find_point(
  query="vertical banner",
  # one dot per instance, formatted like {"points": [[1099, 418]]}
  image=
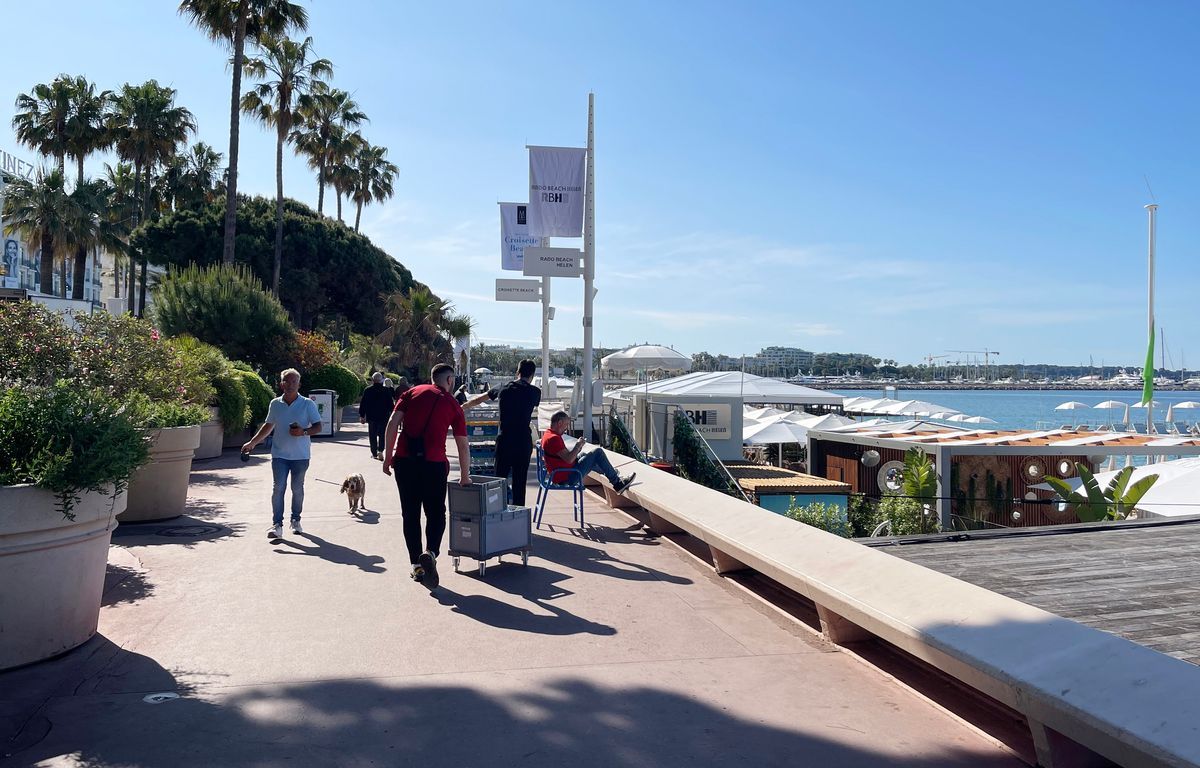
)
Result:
{"points": [[556, 177], [514, 235]]}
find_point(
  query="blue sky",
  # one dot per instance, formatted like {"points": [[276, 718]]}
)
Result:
{"points": [[891, 178]]}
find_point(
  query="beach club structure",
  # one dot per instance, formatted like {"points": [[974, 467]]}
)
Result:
{"points": [[996, 477]]}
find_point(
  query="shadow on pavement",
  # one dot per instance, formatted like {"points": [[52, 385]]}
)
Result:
{"points": [[333, 553], [589, 559], [362, 722], [496, 613], [123, 584], [186, 530]]}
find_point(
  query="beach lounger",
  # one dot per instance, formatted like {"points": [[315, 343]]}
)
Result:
{"points": [[1179, 427], [1067, 427], [1104, 428], [1083, 428], [1160, 428]]}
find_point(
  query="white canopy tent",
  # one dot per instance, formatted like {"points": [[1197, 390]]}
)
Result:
{"points": [[912, 408], [747, 386], [647, 357]]}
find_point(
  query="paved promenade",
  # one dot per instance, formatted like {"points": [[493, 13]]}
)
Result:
{"points": [[610, 648]]}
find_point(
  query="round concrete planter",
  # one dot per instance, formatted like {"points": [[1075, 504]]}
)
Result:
{"points": [[158, 490], [51, 571], [211, 436]]}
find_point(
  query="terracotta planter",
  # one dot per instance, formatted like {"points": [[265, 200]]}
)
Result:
{"points": [[211, 436], [51, 571], [158, 490]]}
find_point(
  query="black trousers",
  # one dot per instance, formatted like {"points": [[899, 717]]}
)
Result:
{"points": [[422, 484], [375, 432], [512, 458]]}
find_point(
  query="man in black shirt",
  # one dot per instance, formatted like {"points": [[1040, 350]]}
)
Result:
{"points": [[374, 410], [514, 446]]}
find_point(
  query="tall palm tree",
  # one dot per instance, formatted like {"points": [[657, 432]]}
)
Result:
{"points": [[148, 128], [39, 210], [321, 128], [87, 125], [455, 327], [194, 177], [42, 116], [375, 178], [232, 21], [341, 170], [289, 71], [88, 226], [121, 213]]}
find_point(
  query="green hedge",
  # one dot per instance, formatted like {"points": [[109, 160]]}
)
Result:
{"points": [[258, 395], [348, 384]]}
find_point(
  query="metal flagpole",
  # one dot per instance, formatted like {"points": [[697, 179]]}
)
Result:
{"points": [[1148, 374], [589, 267]]}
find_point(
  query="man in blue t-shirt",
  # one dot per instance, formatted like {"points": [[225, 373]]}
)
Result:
{"points": [[291, 448]]}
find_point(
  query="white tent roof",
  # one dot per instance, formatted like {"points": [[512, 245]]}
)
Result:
{"points": [[912, 408], [751, 388], [778, 431], [647, 357], [1175, 494]]}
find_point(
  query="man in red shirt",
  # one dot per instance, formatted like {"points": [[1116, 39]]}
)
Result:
{"points": [[558, 457], [420, 420]]}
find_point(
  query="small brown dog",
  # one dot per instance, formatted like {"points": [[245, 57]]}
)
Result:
{"points": [[355, 488]]}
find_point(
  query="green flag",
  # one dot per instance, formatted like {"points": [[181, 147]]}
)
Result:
{"points": [[1148, 372]]}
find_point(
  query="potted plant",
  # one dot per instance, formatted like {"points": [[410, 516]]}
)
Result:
{"points": [[66, 454]]}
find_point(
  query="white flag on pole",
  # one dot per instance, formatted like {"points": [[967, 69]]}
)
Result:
{"points": [[556, 176], [514, 235]]}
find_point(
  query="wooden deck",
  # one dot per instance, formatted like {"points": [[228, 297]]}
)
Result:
{"points": [[1139, 582]]}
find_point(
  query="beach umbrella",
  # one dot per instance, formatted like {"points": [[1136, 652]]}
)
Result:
{"points": [[869, 406], [851, 403], [759, 414], [1185, 405], [1110, 404], [483, 371], [913, 408], [1071, 405], [978, 420], [647, 357], [776, 432]]}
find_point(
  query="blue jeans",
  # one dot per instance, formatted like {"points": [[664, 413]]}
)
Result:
{"points": [[597, 461], [280, 469]]}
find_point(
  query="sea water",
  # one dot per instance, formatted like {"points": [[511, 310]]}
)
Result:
{"points": [[1029, 409]]}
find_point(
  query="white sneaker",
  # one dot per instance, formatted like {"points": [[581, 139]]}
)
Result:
{"points": [[296, 527], [275, 532]]}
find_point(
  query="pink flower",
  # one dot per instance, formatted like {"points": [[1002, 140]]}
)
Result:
{"points": [[182, 390], [154, 334]]}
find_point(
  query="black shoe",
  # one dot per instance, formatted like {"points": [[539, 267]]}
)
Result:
{"points": [[428, 562], [418, 573], [625, 483]]}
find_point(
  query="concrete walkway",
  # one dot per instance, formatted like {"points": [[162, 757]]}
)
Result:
{"points": [[609, 649]]}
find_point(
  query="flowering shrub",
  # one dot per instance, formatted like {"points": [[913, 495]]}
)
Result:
{"points": [[314, 351], [67, 440], [35, 345]]}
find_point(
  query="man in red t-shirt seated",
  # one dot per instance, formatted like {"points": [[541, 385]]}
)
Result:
{"points": [[558, 457]]}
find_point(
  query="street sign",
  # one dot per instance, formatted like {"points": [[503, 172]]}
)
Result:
{"points": [[518, 290], [553, 262]]}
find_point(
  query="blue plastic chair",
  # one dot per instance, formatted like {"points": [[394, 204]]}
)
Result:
{"points": [[574, 484]]}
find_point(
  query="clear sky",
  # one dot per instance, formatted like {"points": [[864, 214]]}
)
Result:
{"points": [[884, 177]]}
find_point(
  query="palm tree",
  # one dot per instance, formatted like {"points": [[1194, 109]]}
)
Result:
{"points": [[194, 177], [292, 71], [87, 128], [232, 21], [148, 128], [374, 178], [323, 124], [457, 327], [341, 171], [415, 328], [39, 210], [42, 116], [88, 226], [122, 210]]}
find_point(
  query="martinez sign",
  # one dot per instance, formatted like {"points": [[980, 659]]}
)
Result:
{"points": [[11, 164]]}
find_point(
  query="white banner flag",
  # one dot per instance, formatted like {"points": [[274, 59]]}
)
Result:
{"points": [[514, 235], [556, 176]]}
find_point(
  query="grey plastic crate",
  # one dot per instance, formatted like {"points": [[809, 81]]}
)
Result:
{"points": [[482, 535], [484, 494]]}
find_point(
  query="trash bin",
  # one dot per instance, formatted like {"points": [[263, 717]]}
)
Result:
{"points": [[326, 400]]}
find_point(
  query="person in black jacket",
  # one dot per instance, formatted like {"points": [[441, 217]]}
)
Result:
{"points": [[374, 410], [514, 446]]}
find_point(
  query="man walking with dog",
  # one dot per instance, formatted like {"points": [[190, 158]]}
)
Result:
{"points": [[415, 446], [291, 447], [374, 410], [514, 446]]}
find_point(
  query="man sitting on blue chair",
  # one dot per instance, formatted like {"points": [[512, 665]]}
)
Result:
{"points": [[558, 457]]}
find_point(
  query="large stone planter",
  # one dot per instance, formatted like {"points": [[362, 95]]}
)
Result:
{"points": [[238, 439], [51, 571], [158, 490], [212, 435]]}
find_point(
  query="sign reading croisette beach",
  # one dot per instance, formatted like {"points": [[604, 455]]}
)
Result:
{"points": [[514, 235], [556, 176], [553, 262], [518, 290]]}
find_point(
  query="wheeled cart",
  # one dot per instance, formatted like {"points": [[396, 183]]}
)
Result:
{"points": [[484, 535]]}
